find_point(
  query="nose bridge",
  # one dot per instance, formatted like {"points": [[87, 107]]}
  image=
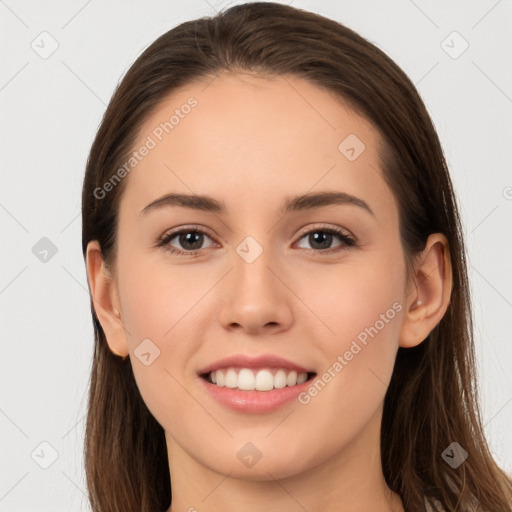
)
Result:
{"points": [[251, 261], [255, 297]]}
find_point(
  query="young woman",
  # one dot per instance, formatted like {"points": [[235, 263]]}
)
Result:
{"points": [[278, 282]]}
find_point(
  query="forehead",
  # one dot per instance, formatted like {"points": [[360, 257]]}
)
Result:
{"points": [[257, 105], [239, 131]]}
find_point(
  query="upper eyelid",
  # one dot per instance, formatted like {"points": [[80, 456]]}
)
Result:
{"points": [[308, 229], [186, 229]]}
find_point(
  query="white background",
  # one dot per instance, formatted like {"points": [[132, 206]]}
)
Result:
{"points": [[50, 111]]}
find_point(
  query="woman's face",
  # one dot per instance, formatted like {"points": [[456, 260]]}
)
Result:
{"points": [[269, 278]]}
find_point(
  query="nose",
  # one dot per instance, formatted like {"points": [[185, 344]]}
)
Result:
{"points": [[255, 300]]}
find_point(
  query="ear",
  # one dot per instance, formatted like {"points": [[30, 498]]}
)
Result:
{"points": [[429, 291], [105, 299]]}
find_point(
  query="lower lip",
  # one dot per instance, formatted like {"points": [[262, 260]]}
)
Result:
{"points": [[254, 401]]}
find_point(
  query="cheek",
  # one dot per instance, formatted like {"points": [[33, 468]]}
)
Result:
{"points": [[361, 303], [157, 297], [162, 304], [370, 312], [351, 298]]}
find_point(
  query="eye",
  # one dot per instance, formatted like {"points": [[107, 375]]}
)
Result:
{"points": [[321, 239], [190, 240]]}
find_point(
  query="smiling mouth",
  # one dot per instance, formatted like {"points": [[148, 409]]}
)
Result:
{"points": [[253, 379]]}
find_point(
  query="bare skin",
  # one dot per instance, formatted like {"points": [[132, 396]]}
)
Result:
{"points": [[251, 142]]}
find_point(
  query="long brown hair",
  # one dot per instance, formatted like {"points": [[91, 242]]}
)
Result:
{"points": [[432, 398]]}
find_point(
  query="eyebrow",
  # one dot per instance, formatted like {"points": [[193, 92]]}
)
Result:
{"points": [[291, 204]]}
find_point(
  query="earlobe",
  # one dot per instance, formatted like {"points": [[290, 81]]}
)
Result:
{"points": [[105, 300], [429, 294]]}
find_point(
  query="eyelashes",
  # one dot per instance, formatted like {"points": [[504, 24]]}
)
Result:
{"points": [[165, 241], [199, 236]]}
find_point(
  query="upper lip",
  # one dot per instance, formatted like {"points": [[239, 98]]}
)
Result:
{"points": [[245, 361]]}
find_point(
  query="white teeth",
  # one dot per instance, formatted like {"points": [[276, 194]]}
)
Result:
{"points": [[219, 378], [231, 379], [265, 379], [246, 379], [291, 380], [302, 377], [280, 379]]}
